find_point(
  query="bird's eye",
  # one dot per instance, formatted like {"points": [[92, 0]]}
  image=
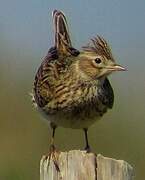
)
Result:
{"points": [[98, 60]]}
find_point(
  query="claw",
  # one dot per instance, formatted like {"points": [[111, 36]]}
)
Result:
{"points": [[53, 155], [87, 149]]}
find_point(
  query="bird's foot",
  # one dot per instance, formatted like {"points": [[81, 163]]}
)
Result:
{"points": [[87, 149], [53, 155]]}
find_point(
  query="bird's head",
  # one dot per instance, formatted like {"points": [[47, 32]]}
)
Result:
{"points": [[96, 60]]}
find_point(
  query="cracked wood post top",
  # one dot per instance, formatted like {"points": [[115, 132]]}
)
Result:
{"points": [[79, 165]]}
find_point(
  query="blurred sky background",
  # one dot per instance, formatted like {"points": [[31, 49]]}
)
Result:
{"points": [[26, 33]]}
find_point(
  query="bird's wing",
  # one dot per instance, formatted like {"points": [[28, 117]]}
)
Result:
{"points": [[62, 39], [106, 94], [45, 77], [48, 72]]}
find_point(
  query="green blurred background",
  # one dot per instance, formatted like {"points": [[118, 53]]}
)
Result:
{"points": [[25, 36]]}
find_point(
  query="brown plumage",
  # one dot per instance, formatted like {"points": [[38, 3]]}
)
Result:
{"points": [[71, 87]]}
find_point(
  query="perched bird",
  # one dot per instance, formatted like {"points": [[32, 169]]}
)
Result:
{"points": [[71, 87]]}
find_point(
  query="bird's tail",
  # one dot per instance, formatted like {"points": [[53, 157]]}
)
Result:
{"points": [[62, 39]]}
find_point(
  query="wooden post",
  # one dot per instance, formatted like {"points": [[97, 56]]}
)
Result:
{"points": [[79, 165]]}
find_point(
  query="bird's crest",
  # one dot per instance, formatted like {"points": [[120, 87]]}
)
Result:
{"points": [[100, 47]]}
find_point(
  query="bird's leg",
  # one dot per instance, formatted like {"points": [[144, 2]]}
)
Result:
{"points": [[53, 154], [87, 148], [52, 147]]}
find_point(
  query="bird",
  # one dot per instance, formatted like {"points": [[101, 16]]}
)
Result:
{"points": [[71, 87]]}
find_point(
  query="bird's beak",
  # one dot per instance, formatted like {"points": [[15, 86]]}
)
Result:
{"points": [[116, 67]]}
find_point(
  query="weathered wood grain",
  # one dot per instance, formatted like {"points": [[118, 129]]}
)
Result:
{"points": [[79, 165]]}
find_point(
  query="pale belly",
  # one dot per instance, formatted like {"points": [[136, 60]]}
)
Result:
{"points": [[75, 120]]}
